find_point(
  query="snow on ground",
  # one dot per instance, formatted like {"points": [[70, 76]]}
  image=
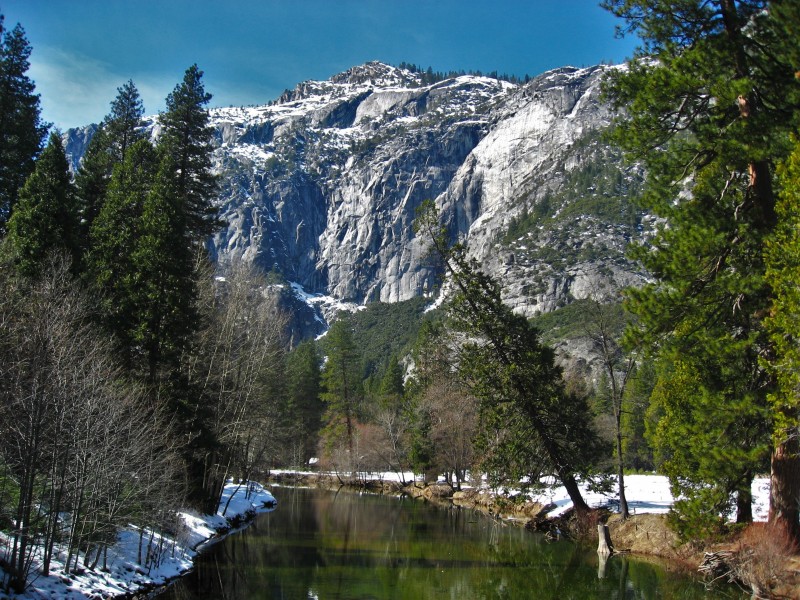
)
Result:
{"points": [[645, 493], [125, 574]]}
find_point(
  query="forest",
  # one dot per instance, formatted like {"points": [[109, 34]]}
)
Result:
{"points": [[137, 377]]}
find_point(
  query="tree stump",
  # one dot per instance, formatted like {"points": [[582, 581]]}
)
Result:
{"points": [[604, 545]]}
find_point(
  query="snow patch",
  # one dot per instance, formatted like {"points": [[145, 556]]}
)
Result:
{"points": [[125, 574]]}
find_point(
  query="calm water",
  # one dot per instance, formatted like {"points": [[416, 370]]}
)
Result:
{"points": [[325, 545]]}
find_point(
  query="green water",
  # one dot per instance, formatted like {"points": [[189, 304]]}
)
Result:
{"points": [[324, 545]]}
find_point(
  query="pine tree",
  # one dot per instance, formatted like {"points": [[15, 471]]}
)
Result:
{"points": [[783, 324], [711, 443], [303, 391], [187, 137], [708, 104], [124, 123], [21, 128], [114, 236], [342, 386], [45, 218], [391, 388], [512, 372], [636, 449], [118, 132], [91, 182], [163, 291]]}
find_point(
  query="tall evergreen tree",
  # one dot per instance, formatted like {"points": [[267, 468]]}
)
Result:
{"points": [[21, 128], [91, 182], [118, 132], [187, 137], [342, 385], [45, 218], [163, 286], [708, 103], [711, 440], [391, 388], [512, 372], [783, 324], [303, 394], [114, 239], [124, 123]]}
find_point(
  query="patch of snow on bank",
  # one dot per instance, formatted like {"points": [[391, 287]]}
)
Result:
{"points": [[645, 493], [125, 574]]}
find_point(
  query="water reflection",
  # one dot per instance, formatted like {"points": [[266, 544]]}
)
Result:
{"points": [[343, 546]]}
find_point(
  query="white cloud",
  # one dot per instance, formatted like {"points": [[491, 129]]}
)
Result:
{"points": [[77, 90]]}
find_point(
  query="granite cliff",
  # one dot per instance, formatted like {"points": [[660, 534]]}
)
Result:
{"points": [[322, 185]]}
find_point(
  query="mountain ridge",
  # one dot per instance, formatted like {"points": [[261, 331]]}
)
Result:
{"points": [[322, 184]]}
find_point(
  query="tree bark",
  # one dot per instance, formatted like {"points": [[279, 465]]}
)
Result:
{"points": [[573, 491], [784, 495], [744, 502]]}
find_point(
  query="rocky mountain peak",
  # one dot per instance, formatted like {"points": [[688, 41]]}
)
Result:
{"points": [[323, 184], [378, 74]]}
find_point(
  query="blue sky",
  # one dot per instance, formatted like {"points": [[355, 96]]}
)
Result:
{"points": [[251, 50]]}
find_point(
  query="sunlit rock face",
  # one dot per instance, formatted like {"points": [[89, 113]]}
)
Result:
{"points": [[322, 185]]}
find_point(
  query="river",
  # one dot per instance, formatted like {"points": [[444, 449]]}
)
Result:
{"points": [[327, 545]]}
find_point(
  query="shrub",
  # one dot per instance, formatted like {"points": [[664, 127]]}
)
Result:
{"points": [[761, 556]]}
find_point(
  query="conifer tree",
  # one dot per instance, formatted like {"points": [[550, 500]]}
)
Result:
{"points": [[391, 388], [512, 372], [118, 132], [187, 138], [91, 182], [123, 123], [708, 104], [783, 324], [114, 237], [21, 128], [342, 386], [45, 218], [303, 391], [163, 291]]}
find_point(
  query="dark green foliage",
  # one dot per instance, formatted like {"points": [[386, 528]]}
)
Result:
{"points": [[392, 381], [109, 145], [709, 119], [186, 138], [123, 123], [114, 237], [511, 371], [303, 383], [637, 452], [383, 330], [709, 442], [21, 128], [429, 76], [91, 182], [162, 287], [342, 387], [431, 359], [45, 219], [783, 274]]}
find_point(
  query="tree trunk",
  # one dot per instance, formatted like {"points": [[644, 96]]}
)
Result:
{"points": [[744, 502], [623, 501], [604, 545], [571, 485], [784, 495]]}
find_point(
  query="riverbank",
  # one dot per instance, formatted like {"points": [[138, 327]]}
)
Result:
{"points": [[645, 534], [125, 577]]}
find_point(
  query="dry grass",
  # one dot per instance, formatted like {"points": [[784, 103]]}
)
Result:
{"points": [[761, 557]]}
